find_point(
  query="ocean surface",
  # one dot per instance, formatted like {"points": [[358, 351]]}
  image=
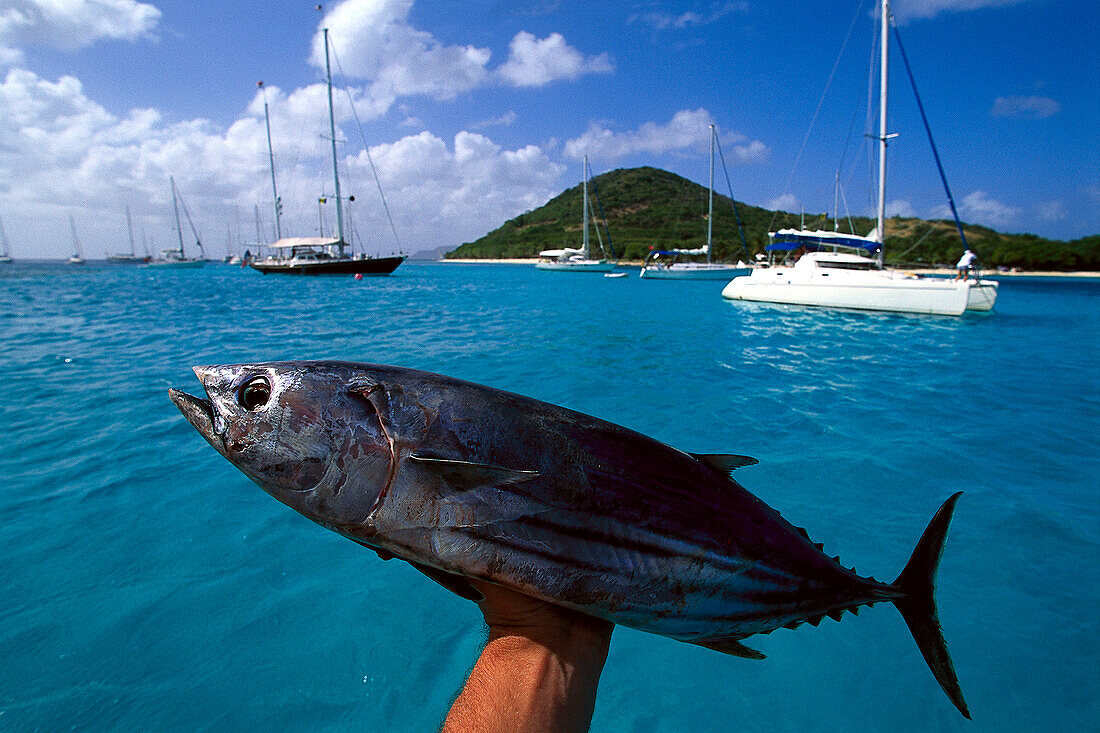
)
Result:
{"points": [[146, 584]]}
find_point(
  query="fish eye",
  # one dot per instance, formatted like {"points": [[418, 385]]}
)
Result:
{"points": [[254, 393]]}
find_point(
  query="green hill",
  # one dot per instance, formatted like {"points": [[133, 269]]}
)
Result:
{"points": [[648, 207]]}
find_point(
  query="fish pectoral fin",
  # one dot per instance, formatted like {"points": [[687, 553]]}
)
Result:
{"points": [[454, 583], [466, 475], [724, 463], [729, 645], [383, 554]]}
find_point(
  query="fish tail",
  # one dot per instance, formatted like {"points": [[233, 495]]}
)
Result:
{"points": [[918, 605]]}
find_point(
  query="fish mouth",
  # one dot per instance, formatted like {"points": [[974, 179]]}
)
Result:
{"points": [[199, 412]]}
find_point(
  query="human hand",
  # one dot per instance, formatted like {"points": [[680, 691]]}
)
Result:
{"points": [[508, 613], [539, 669]]}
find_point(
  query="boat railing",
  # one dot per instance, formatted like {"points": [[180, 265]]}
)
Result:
{"points": [[842, 265]]}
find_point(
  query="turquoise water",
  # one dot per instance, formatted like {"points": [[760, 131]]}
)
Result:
{"points": [[148, 585]]}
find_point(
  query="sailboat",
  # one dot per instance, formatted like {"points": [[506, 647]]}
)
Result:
{"points": [[77, 257], [846, 270], [176, 258], [663, 264], [124, 258], [319, 255], [5, 250], [571, 259]]}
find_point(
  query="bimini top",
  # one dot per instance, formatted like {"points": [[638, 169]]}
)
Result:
{"points": [[789, 239], [289, 242], [697, 251], [560, 252]]}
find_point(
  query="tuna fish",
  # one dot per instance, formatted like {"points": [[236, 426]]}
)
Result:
{"points": [[468, 482]]}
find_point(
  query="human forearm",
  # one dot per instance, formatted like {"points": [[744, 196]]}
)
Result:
{"points": [[536, 676]]}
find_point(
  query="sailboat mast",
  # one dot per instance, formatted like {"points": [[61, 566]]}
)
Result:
{"points": [[77, 252], [710, 199], [271, 162], [130, 228], [836, 202], [585, 237], [176, 208], [332, 130], [882, 135]]}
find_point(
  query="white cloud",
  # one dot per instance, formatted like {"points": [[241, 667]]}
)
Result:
{"points": [[373, 40], [64, 153], [10, 57], [1030, 108], [754, 152], [979, 208], [787, 202], [442, 196], [73, 24], [302, 114], [1051, 210], [503, 120], [899, 207], [533, 63], [911, 9], [62, 149], [665, 21], [686, 129]]}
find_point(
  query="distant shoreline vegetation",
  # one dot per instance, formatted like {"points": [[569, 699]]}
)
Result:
{"points": [[648, 207]]}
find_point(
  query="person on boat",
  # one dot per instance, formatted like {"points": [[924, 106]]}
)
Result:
{"points": [[967, 262], [538, 672]]}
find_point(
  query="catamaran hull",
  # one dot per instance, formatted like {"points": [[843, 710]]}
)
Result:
{"points": [[701, 272], [126, 260], [577, 266], [983, 295], [371, 266], [896, 295], [178, 264]]}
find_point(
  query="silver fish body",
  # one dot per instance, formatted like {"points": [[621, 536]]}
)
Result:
{"points": [[465, 481]]}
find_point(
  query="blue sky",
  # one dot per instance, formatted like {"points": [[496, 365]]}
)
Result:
{"points": [[474, 111]]}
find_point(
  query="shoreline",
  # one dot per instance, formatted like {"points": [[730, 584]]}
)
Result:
{"points": [[991, 275]]}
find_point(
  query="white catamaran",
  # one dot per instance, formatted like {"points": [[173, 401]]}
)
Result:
{"points": [[571, 259], [846, 271], [665, 264]]}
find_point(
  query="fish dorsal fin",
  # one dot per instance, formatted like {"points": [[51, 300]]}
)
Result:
{"points": [[454, 583], [729, 645], [724, 463], [466, 475]]}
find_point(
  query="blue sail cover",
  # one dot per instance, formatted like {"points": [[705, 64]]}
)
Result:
{"points": [[791, 239]]}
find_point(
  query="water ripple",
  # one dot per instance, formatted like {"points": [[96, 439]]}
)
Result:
{"points": [[150, 585]]}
